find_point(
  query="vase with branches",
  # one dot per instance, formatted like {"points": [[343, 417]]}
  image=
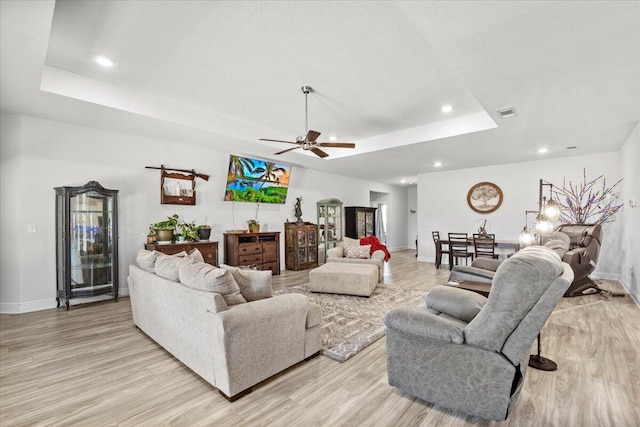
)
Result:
{"points": [[588, 202]]}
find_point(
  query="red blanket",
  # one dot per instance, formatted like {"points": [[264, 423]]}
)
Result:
{"points": [[375, 245]]}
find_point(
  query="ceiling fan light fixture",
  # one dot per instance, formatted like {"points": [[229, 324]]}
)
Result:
{"points": [[309, 142]]}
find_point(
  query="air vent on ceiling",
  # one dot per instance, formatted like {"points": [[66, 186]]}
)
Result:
{"points": [[507, 112], [573, 147]]}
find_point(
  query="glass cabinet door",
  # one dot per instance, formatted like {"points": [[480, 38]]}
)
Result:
{"points": [[329, 225], [86, 242]]}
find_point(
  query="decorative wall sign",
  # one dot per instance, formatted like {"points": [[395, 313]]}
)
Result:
{"points": [[484, 197]]}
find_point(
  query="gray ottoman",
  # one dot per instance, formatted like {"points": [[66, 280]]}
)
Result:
{"points": [[344, 278]]}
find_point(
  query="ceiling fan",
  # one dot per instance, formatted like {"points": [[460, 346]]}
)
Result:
{"points": [[309, 142]]}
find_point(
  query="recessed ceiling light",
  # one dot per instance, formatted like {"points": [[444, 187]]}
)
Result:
{"points": [[446, 108], [403, 181], [437, 164], [104, 61], [542, 150], [332, 138]]}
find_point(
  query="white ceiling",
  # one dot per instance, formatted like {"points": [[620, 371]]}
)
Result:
{"points": [[224, 74]]}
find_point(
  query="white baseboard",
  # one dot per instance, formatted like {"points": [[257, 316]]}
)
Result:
{"points": [[46, 304], [626, 287], [605, 276]]}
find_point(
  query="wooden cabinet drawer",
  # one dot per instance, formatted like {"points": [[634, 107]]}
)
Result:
{"points": [[273, 266], [210, 255], [250, 259], [249, 248]]}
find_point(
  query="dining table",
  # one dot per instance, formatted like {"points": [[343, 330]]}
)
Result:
{"points": [[507, 244]]}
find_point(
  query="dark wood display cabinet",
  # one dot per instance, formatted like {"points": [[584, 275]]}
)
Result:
{"points": [[209, 250], [359, 221], [301, 246], [259, 249], [86, 242]]}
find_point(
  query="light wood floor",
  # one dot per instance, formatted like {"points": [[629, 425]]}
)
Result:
{"points": [[91, 367]]}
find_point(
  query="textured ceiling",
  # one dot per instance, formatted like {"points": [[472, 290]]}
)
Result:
{"points": [[220, 72]]}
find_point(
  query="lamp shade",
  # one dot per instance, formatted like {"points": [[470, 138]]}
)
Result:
{"points": [[544, 226], [552, 210], [526, 237]]}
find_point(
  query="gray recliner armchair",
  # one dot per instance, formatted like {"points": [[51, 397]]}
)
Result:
{"points": [[584, 249], [469, 353]]}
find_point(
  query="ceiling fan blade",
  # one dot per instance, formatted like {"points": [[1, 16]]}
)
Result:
{"points": [[319, 152], [278, 140], [337, 144], [284, 151], [312, 135]]}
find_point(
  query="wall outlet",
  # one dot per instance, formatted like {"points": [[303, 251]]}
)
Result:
{"points": [[32, 228]]}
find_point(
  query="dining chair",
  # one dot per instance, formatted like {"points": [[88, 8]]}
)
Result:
{"points": [[439, 248], [458, 248], [484, 245]]}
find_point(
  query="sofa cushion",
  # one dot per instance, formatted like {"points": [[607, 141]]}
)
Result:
{"points": [[254, 284], [167, 266], [146, 260], [196, 255], [206, 277], [348, 241], [358, 252]]}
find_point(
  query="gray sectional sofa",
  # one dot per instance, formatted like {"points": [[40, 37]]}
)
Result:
{"points": [[233, 347]]}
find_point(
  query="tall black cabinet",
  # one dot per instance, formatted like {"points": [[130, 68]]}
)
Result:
{"points": [[86, 242], [359, 221]]}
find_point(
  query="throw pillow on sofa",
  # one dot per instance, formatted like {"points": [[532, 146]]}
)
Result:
{"points": [[196, 255], [206, 277], [254, 284], [146, 260], [358, 252], [167, 266]]}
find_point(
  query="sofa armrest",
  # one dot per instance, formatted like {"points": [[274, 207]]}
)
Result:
{"points": [[379, 254], [423, 324], [258, 339], [337, 252]]}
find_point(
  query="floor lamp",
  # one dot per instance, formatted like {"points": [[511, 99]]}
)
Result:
{"points": [[548, 211]]}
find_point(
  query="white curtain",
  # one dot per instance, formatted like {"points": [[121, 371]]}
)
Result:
{"points": [[381, 222]]}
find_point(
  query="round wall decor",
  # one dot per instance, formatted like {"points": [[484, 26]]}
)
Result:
{"points": [[484, 197]]}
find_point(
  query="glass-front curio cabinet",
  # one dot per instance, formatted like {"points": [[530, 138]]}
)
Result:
{"points": [[329, 225], [86, 242]]}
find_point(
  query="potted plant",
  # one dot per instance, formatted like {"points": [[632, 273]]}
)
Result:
{"points": [[254, 226], [189, 230], [164, 230], [204, 231]]}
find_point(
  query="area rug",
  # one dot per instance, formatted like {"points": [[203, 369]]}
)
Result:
{"points": [[351, 323]]}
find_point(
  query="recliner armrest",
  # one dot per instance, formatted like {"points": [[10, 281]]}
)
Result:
{"points": [[423, 324], [576, 257], [460, 273], [459, 303]]}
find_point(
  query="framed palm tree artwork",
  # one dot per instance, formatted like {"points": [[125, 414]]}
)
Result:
{"points": [[484, 197]]}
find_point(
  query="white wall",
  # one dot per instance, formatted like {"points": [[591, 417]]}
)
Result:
{"points": [[38, 155], [630, 239], [442, 201], [412, 218]]}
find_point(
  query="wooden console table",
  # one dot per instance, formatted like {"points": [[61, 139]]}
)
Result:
{"points": [[209, 250], [260, 249]]}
